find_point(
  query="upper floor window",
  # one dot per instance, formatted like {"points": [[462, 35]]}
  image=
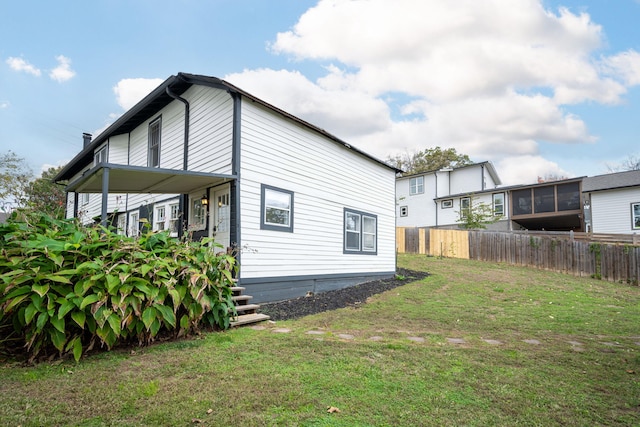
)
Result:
{"points": [[153, 156], [498, 204], [277, 209], [100, 156], [416, 185], [360, 232]]}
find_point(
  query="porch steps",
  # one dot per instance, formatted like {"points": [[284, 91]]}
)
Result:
{"points": [[247, 313]]}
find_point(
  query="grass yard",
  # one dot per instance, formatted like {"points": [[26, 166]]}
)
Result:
{"points": [[474, 344]]}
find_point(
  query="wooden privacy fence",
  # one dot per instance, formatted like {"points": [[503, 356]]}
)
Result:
{"points": [[578, 254]]}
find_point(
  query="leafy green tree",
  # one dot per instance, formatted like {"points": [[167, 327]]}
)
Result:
{"points": [[476, 215], [43, 195], [14, 178], [430, 159]]}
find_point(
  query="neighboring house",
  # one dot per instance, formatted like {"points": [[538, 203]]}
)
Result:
{"points": [[436, 198], [612, 202], [304, 210]]}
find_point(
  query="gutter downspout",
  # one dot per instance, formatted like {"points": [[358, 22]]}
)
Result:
{"points": [[185, 156], [435, 174], [235, 167]]}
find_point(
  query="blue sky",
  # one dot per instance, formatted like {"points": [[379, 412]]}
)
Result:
{"points": [[538, 87]]}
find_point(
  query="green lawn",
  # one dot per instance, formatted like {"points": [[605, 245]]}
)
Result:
{"points": [[390, 362]]}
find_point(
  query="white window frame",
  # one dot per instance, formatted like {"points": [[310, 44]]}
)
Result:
{"points": [[465, 206], [154, 143], [416, 185], [160, 218], [447, 204], [635, 216], [84, 199], [174, 217], [134, 224], [100, 156], [496, 211], [271, 199], [355, 226], [197, 214], [121, 227]]}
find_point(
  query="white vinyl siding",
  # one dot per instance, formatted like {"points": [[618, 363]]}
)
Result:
{"points": [[611, 210], [210, 130], [326, 178]]}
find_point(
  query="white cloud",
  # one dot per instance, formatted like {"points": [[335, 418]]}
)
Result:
{"points": [[19, 64], [4, 105], [130, 91], [526, 169], [63, 71], [490, 79]]}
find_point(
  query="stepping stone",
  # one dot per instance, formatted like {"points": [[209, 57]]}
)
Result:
{"points": [[456, 340], [316, 333], [376, 338], [575, 343], [416, 339], [534, 342], [258, 328], [346, 336], [282, 330], [493, 342]]}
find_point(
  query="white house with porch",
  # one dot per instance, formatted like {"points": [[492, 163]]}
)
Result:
{"points": [[304, 210]]}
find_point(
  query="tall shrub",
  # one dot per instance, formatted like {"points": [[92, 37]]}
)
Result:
{"points": [[69, 287]]}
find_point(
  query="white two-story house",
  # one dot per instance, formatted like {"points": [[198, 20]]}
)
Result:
{"points": [[302, 209], [436, 198]]}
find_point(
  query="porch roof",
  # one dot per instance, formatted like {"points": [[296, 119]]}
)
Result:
{"points": [[139, 179]]}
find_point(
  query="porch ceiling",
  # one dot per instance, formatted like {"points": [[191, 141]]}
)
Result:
{"points": [[137, 179]]}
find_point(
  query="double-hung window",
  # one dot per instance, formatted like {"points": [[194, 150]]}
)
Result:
{"points": [[160, 218], [498, 204], [360, 232], [277, 209], [153, 155], [635, 216], [174, 218], [416, 185]]}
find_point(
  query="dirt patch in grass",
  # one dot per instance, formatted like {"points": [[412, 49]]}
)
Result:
{"points": [[339, 298]]}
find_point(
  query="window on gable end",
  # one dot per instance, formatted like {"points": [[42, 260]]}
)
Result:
{"points": [[416, 185]]}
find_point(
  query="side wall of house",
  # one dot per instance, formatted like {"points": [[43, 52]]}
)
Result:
{"points": [[325, 179], [420, 208], [611, 210]]}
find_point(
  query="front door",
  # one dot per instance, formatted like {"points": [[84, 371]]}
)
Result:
{"points": [[220, 217]]}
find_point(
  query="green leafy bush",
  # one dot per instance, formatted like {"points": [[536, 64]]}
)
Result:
{"points": [[71, 287]]}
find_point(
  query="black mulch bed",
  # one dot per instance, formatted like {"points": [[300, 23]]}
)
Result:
{"points": [[331, 300]]}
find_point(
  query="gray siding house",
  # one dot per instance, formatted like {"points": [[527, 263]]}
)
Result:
{"points": [[304, 210]]}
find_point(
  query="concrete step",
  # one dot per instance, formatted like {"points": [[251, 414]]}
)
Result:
{"points": [[246, 319]]}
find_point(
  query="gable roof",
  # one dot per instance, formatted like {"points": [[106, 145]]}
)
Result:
{"points": [[486, 164], [611, 181], [162, 96]]}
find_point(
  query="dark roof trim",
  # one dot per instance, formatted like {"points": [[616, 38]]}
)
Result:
{"points": [[159, 98]]}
